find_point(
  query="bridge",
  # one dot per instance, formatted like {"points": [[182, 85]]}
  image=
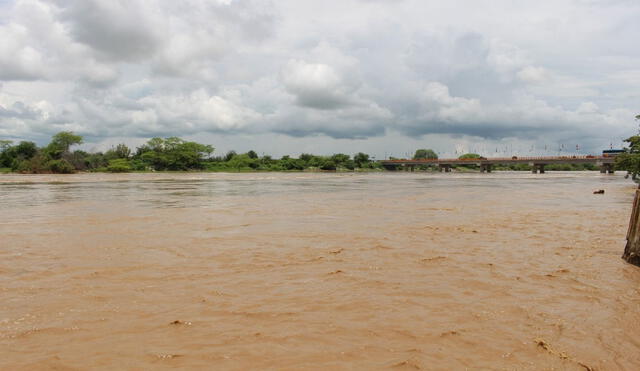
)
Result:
{"points": [[606, 163]]}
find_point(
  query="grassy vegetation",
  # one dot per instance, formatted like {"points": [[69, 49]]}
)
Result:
{"points": [[175, 154], [163, 154]]}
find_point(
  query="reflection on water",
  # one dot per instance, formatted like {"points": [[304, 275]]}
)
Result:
{"points": [[317, 271]]}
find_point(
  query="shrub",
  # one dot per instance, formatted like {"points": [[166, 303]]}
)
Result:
{"points": [[61, 167], [120, 165], [37, 164]]}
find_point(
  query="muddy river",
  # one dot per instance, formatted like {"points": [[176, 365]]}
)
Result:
{"points": [[300, 271]]}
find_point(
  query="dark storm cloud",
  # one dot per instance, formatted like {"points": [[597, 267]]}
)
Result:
{"points": [[485, 130], [118, 29]]}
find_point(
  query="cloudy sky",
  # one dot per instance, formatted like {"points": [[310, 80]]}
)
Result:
{"points": [[290, 76]]}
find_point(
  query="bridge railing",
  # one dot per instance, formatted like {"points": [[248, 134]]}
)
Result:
{"points": [[467, 160]]}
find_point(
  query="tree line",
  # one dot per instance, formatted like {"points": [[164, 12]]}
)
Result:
{"points": [[176, 154], [160, 154]]}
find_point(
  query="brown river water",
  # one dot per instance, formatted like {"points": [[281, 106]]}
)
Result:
{"points": [[283, 271]]}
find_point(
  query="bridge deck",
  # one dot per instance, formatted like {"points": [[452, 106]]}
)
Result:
{"points": [[598, 160]]}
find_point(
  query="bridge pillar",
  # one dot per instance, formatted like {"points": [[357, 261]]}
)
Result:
{"points": [[607, 168], [485, 168], [537, 168], [445, 168]]}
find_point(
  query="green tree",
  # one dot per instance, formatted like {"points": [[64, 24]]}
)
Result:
{"points": [[13, 156], [308, 160], [469, 156], [424, 154], [25, 150], [95, 161], [156, 144], [306, 157], [327, 164], [361, 160], [187, 155], [119, 165], [60, 144], [5, 144], [119, 151], [630, 160], [5, 159], [230, 155], [340, 160], [243, 162], [173, 153], [65, 139], [252, 154], [288, 163], [78, 159], [36, 164], [61, 166]]}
